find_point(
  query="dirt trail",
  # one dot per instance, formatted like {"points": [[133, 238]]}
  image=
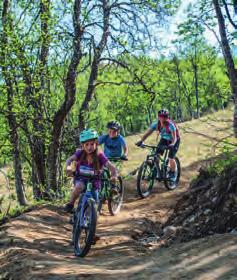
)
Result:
{"points": [[36, 245]]}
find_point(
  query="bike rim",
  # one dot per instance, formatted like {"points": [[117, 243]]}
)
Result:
{"points": [[84, 229], [116, 200]]}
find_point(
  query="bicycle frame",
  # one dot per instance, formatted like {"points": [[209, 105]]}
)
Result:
{"points": [[90, 194], [106, 176], [106, 173], [154, 156], [104, 191]]}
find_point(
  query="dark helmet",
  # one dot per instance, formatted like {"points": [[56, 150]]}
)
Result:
{"points": [[113, 125], [163, 113]]}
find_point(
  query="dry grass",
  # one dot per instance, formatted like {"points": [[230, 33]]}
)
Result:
{"points": [[199, 140]]}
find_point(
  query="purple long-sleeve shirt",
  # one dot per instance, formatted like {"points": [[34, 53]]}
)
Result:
{"points": [[87, 167]]}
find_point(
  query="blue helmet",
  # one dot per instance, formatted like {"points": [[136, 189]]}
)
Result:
{"points": [[88, 134]]}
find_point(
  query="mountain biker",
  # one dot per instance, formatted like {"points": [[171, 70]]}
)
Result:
{"points": [[114, 143], [169, 134], [88, 161]]}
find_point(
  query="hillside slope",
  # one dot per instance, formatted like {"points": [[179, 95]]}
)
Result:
{"points": [[36, 245]]}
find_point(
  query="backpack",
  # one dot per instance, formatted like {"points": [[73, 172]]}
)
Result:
{"points": [[168, 128]]}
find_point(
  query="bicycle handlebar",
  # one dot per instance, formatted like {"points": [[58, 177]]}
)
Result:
{"points": [[89, 176], [118, 159], [163, 147], [147, 146]]}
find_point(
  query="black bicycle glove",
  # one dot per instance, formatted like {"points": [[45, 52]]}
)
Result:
{"points": [[123, 157], [139, 143]]}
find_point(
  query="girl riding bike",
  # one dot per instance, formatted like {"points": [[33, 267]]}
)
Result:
{"points": [[169, 134], [88, 161]]}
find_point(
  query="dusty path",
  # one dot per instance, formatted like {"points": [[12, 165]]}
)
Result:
{"points": [[36, 245]]}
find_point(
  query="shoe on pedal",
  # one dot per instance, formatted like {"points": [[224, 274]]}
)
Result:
{"points": [[172, 175]]}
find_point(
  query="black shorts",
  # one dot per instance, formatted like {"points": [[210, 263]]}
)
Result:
{"points": [[172, 152]]}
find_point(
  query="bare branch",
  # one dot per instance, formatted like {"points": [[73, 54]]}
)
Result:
{"points": [[228, 14]]}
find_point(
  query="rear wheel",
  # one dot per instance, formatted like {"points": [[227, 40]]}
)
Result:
{"points": [[115, 199], [145, 178], [84, 231], [172, 184]]}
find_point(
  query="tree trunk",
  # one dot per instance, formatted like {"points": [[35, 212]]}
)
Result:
{"points": [[53, 163], [179, 108], [19, 186], [195, 70], [38, 157], [38, 146], [37, 191], [196, 91], [69, 100], [14, 138], [95, 65], [131, 125], [232, 73], [11, 117], [185, 90], [149, 114]]}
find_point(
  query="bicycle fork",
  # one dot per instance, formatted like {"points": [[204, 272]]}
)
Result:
{"points": [[161, 170], [90, 196]]}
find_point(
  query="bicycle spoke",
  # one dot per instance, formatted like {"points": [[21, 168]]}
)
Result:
{"points": [[145, 179]]}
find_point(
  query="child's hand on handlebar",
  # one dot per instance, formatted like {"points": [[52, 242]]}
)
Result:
{"points": [[124, 157], [69, 171]]}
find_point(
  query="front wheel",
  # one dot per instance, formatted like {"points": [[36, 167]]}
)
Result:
{"points": [[172, 184], [84, 232], [115, 199], [145, 178]]}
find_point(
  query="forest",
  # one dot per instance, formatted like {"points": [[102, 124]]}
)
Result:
{"points": [[70, 65]]}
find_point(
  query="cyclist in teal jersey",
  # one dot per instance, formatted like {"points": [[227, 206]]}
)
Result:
{"points": [[169, 136]]}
